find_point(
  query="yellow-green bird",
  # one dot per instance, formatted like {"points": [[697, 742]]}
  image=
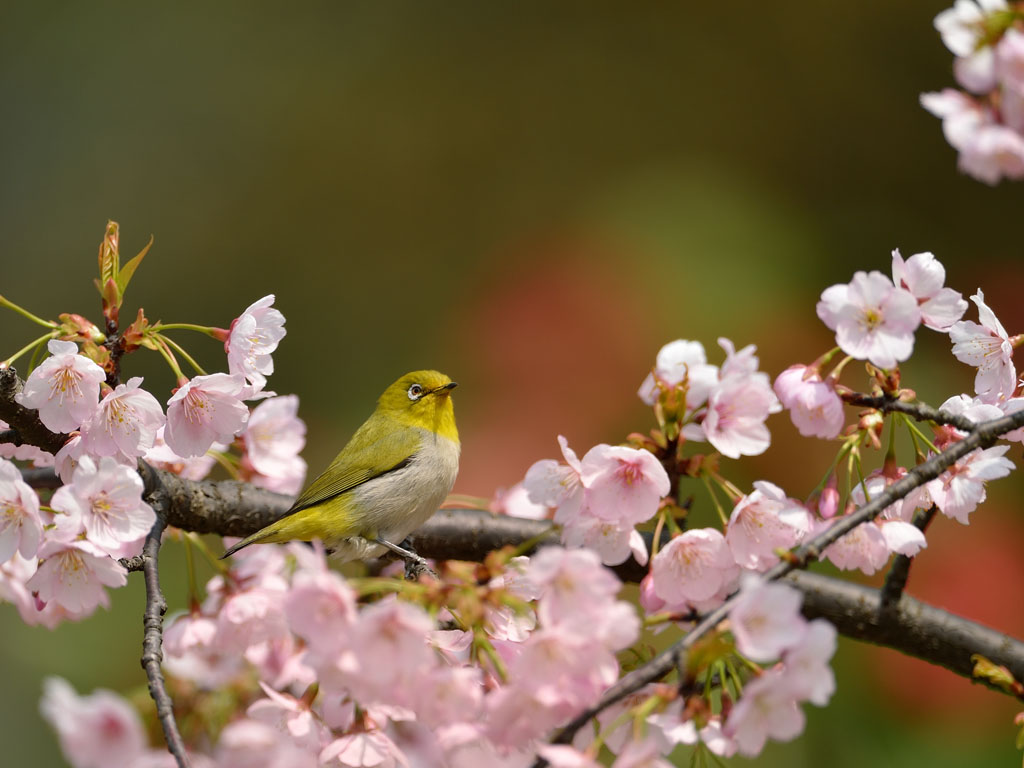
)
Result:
{"points": [[390, 478]]}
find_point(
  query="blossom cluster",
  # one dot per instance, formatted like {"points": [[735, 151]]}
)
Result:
{"points": [[984, 122], [345, 681], [57, 560]]}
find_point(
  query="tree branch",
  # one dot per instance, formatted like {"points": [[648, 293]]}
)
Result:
{"points": [[918, 410], [152, 639], [899, 571]]}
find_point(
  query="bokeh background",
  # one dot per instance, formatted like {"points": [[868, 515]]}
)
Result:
{"points": [[532, 197]]}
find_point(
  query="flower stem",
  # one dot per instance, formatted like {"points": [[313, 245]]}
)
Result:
{"points": [[208, 330], [31, 345], [180, 350], [4, 302]]}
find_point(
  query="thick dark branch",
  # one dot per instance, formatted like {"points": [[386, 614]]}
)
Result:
{"points": [[910, 627], [152, 639], [919, 411], [899, 571], [24, 421], [41, 477]]}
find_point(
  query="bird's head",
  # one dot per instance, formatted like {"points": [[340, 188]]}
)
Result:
{"points": [[422, 399]]}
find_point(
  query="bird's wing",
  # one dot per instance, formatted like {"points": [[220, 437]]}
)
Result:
{"points": [[369, 454]]}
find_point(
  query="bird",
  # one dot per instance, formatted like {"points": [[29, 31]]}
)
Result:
{"points": [[387, 481]]}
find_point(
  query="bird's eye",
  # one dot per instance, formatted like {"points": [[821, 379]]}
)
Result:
{"points": [[415, 392]]}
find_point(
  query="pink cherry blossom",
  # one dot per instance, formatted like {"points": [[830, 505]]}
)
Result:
{"points": [[321, 609], [449, 695], [864, 548], [203, 411], [737, 410], [577, 596], [251, 616], [74, 574], [873, 319], [766, 620], [292, 716], [367, 749], [275, 436], [813, 404], [962, 117], [516, 502], [763, 521], [685, 363], [386, 654], [960, 489], [254, 336], [95, 731], [556, 485], [188, 630], [106, 500], [21, 527], [924, 276], [612, 540], [767, 709], [623, 484], [64, 388], [694, 566], [641, 754], [618, 731], [988, 348], [191, 468], [806, 665], [564, 756], [249, 743], [962, 26], [677, 730], [125, 422]]}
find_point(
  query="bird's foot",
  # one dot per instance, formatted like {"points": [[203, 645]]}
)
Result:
{"points": [[415, 565]]}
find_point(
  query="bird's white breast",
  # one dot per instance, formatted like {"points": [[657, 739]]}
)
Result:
{"points": [[398, 502]]}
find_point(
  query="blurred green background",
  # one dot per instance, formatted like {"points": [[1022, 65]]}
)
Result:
{"points": [[532, 197]]}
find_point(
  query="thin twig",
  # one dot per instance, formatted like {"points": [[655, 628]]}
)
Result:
{"points": [[152, 639], [899, 571], [918, 410]]}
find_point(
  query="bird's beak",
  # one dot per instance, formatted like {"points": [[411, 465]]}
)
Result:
{"points": [[447, 388]]}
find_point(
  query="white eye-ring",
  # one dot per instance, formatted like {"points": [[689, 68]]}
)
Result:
{"points": [[415, 392]]}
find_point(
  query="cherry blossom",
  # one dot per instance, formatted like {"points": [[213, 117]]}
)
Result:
{"points": [[106, 501], [125, 422], [95, 731], [64, 388], [695, 566], [254, 336], [613, 541], [873, 319], [685, 363], [557, 485], [988, 348], [763, 521], [73, 574], [960, 489], [290, 715], [274, 437], [766, 620], [321, 609], [191, 468], [767, 709], [813, 404], [516, 502], [806, 670], [924, 276], [21, 527], [368, 749], [962, 26], [203, 411], [864, 548], [623, 484], [737, 409]]}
